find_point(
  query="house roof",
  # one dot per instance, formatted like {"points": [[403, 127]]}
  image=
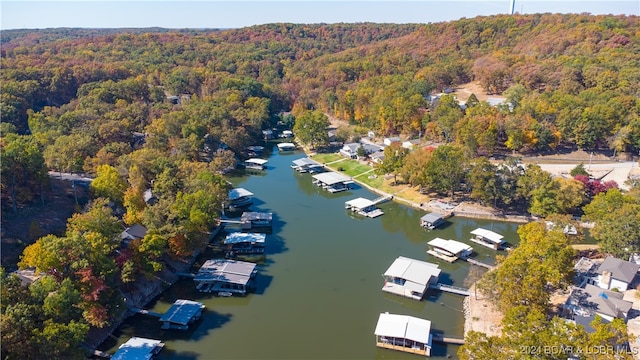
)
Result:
{"points": [[489, 235], [137, 348], [404, 327], [451, 246], [136, 231], [182, 311], [352, 146], [148, 195], [619, 269], [239, 237], [237, 193], [229, 271], [592, 299], [416, 271], [431, 217], [377, 155], [359, 203], [331, 178]]}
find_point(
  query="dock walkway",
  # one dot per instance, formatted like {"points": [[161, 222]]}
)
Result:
{"points": [[146, 312], [450, 288], [447, 340], [479, 263]]}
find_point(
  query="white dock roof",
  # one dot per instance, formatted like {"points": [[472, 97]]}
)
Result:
{"points": [[230, 271], [489, 235], [256, 161], [412, 270], [431, 217], [305, 162], [238, 193], [403, 327], [359, 203], [137, 348], [182, 311], [451, 246], [331, 178], [286, 145], [240, 237]]}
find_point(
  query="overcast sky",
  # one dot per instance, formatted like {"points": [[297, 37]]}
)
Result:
{"points": [[25, 14]]}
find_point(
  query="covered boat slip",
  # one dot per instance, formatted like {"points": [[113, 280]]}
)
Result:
{"points": [[181, 314], [449, 250], [285, 146], [404, 333], [256, 221], [230, 276], [304, 165], [410, 278], [488, 238], [431, 220], [255, 164], [364, 207], [240, 197], [332, 181], [138, 348], [245, 243]]}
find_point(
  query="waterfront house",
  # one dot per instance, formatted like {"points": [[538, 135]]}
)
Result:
{"points": [[410, 278], [255, 164], [181, 314], [225, 277], [285, 146], [134, 232], [138, 348], [364, 207], [377, 157], [488, 238], [614, 273], [390, 140], [583, 304], [256, 221], [431, 220], [404, 333], [304, 165], [239, 197], [351, 150], [244, 243], [332, 181], [449, 250]]}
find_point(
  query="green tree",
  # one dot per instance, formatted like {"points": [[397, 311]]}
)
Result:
{"points": [[446, 170], [24, 174], [311, 128], [393, 161], [484, 182], [579, 170], [109, 184]]}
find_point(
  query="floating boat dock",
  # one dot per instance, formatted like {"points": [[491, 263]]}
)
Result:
{"points": [[245, 243], [138, 348], [404, 333], [256, 221], [450, 288], [332, 181], [449, 250], [488, 238], [223, 276], [304, 165], [410, 278], [479, 263], [239, 197], [363, 207], [285, 146], [181, 314], [255, 164], [431, 220]]}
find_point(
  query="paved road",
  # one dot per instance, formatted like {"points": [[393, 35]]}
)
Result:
{"points": [[81, 180]]}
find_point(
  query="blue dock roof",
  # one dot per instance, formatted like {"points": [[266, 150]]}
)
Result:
{"points": [[182, 311], [138, 348]]}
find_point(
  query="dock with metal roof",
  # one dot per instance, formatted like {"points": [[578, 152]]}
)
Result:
{"points": [[363, 207], [332, 181], [410, 278], [487, 238], [304, 165], [138, 348], [225, 276], [245, 243], [181, 314], [449, 250]]}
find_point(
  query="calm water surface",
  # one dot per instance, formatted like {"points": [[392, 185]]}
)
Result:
{"points": [[318, 293]]}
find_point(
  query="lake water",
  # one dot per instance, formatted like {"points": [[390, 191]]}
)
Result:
{"points": [[319, 292]]}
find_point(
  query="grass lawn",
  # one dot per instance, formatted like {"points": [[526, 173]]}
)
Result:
{"points": [[326, 158]]}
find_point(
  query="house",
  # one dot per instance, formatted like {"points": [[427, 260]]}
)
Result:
{"points": [[614, 273], [351, 150], [584, 303], [181, 314], [377, 157], [410, 278], [391, 140], [149, 198], [225, 277], [404, 333], [133, 232], [138, 348], [410, 144]]}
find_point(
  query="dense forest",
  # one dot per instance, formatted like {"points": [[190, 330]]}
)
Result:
{"points": [[172, 111]]}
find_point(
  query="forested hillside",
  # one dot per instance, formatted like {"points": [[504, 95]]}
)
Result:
{"points": [[171, 111]]}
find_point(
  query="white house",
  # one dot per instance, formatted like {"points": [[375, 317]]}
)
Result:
{"points": [[614, 273], [391, 140], [585, 303]]}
